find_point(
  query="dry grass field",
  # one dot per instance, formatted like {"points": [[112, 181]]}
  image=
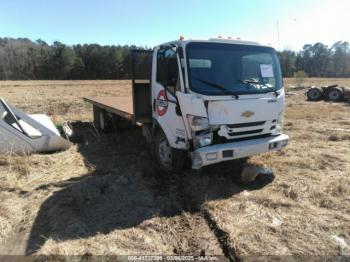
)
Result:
{"points": [[103, 196]]}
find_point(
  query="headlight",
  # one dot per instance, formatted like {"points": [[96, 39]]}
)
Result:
{"points": [[202, 138], [198, 122], [202, 134]]}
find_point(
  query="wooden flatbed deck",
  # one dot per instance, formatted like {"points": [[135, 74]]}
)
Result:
{"points": [[122, 106]]}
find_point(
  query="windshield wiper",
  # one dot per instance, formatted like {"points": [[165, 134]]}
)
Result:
{"points": [[220, 87], [253, 81]]}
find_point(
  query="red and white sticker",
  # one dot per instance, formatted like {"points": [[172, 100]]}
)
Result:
{"points": [[162, 103]]}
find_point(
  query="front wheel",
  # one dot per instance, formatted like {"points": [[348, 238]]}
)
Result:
{"points": [[168, 159]]}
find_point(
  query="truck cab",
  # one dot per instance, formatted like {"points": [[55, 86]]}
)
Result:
{"points": [[208, 100], [215, 100]]}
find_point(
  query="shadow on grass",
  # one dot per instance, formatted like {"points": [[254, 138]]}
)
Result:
{"points": [[123, 189]]}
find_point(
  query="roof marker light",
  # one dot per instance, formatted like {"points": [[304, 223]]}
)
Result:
{"points": [[181, 37]]}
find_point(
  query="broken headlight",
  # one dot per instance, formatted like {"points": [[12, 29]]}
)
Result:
{"points": [[202, 138], [198, 122], [201, 132]]}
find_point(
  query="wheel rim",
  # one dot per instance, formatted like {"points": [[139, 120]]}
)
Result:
{"points": [[164, 153], [313, 94], [102, 121], [333, 95]]}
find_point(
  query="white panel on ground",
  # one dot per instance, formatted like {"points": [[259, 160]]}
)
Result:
{"points": [[21, 133]]}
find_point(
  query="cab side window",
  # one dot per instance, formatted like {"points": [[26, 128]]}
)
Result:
{"points": [[167, 69]]}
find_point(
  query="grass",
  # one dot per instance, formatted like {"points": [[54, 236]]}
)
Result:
{"points": [[98, 197], [60, 99]]}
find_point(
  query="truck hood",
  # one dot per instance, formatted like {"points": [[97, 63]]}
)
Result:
{"points": [[247, 116], [244, 110]]}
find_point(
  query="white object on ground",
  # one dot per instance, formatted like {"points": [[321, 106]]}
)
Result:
{"points": [[67, 129], [21, 133], [276, 222], [45, 121], [340, 241], [250, 172]]}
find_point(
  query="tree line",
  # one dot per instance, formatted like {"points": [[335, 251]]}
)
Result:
{"points": [[22, 59], [25, 59], [317, 60]]}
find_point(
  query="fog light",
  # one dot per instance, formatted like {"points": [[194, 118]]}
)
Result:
{"points": [[273, 145], [212, 156], [284, 143], [196, 160], [227, 153]]}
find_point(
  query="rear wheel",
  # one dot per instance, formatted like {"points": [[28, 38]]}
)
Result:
{"points": [[101, 120], [168, 159], [314, 94], [335, 94]]}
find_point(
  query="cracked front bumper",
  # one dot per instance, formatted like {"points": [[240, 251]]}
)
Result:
{"points": [[223, 152]]}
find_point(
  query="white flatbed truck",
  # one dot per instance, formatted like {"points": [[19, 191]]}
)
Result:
{"points": [[211, 100]]}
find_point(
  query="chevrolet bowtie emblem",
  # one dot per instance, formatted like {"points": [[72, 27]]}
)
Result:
{"points": [[247, 114]]}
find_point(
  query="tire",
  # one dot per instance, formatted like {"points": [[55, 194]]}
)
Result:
{"points": [[101, 121], [335, 94], [97, 112], [242, 161], [314, 94], [169, 160]]}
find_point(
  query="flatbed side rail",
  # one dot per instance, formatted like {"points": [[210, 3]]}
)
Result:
{"points": [[113, 109]]}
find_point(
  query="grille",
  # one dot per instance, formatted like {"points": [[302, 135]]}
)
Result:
{"points": [[245, 132], [222, 140], [249, 129], [249, 124]]}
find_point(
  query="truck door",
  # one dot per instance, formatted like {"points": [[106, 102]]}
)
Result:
{"points": [[165, 83]]}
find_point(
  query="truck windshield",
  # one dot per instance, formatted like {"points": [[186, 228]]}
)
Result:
{"points": [[235, 68]]}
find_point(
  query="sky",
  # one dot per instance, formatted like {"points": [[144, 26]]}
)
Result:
{"points": [[287, 24]]}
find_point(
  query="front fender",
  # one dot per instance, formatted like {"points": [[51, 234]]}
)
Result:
{"points": [[191, 104], [178, 141]]}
